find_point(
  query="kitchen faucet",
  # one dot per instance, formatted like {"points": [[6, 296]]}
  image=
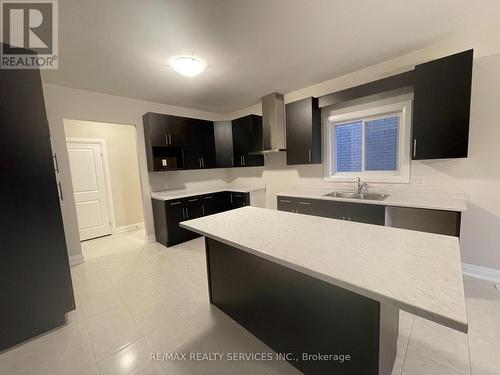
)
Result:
{"points": [[362, 186]]}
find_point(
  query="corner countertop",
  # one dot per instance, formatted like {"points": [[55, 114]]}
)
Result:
{"points": [[433, 202], [414, 271], [167, 195]]}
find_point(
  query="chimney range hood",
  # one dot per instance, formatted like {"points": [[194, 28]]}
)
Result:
{"points": [[273, 124]]}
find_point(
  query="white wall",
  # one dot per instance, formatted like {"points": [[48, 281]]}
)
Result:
{"points": [[67, 103], [478, 175], [123, 167]]}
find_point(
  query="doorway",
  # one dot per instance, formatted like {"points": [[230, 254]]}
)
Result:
{"points": [[104, 170]]}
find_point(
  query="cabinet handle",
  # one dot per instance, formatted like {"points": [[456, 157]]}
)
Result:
{"points": [[202, 209], [193, 200], [166, 138], [285, 201], [169, 138], [174, 203], [56, 163], [231, 196], [232, 161], [243, 160], [60, 190], [305, 203], [309, 155], [203, 162], [237, 195], [183, 214], [208, 197], [414, 147], [187, 213]]}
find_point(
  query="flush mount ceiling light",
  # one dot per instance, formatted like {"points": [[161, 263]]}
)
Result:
{"points": [[188, 66]]}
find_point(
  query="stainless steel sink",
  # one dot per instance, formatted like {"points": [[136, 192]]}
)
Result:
{"points": [[349, 195]]}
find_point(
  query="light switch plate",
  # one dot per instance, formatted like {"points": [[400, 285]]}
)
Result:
{"points": [[497, 286]]}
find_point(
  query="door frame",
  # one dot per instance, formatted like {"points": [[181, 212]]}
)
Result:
{"points": [[105, 167]]}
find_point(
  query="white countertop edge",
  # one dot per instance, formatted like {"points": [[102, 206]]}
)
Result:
{"points": [[450, 323], [392, 201], [166, 195]]}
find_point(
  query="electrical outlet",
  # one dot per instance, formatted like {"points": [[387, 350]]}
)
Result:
{"points": [[417, 180], [497, 286]]}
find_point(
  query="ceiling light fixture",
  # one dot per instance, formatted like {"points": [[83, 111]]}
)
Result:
{"points": [[188, 66]]}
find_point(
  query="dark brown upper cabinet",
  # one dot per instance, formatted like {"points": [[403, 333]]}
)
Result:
{"points": [[164, 136], [199, 144], [303, 132], [223, 134], [247, 138], [441, 108]]}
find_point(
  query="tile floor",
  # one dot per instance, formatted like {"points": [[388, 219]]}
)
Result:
{"points": [[135, 298]]}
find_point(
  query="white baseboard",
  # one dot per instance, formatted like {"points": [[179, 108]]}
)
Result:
{"points": [[480, 272], [76, 259], [126, 228]]}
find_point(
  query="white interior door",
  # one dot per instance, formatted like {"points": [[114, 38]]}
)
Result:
{"points": [[87, 174]]}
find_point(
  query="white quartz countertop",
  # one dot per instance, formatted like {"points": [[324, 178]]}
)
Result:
{"points": [[446, 203], [413, 271], [183, 193]]}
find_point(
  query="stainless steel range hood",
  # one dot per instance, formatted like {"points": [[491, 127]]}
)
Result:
{"points": [[273, 124]]}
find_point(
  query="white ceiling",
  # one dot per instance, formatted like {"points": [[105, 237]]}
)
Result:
{"points": [[252, 47]]}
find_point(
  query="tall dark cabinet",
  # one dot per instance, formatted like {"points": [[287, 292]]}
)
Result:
{"points": [[247, 138], [303, 132], [35, 281], [199, 144], [223, 133], [441, 108]]}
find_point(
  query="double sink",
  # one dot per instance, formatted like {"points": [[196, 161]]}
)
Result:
{"points": [[353, 195]]}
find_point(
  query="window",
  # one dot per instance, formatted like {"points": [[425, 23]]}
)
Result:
{"points": [[372, 144]]}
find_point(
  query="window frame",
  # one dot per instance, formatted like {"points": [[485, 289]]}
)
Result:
{"points": [[402, 109]]}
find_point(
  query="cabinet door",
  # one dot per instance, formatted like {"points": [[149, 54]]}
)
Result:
{"points": [[247, 137], [155, 129], [175, 213], [238, 200], [174, 130], [286, 204], [215, 203], [192, 144], [36, 289], [207, 146], [199, 144], [334, 210], [316, 207], [441, 107], [365, 213], [194, 208], [303, 132], [223, 135]]}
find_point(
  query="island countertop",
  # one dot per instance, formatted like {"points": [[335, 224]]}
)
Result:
{"points": [[414, 271]]}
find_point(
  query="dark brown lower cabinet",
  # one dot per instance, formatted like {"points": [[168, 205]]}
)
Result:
{"points": [[168, 214], [359, 212], [35, 280]]}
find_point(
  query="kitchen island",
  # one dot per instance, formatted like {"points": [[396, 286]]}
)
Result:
{"points": [[306, 285]]}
